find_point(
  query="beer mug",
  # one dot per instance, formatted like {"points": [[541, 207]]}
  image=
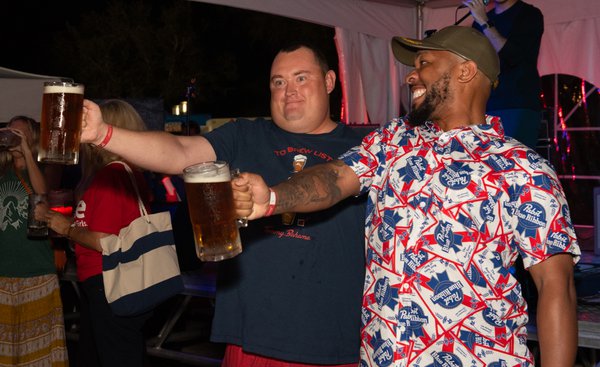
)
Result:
{"points": [[212, 214], [60, 129], [8, 139], [36, 228]]}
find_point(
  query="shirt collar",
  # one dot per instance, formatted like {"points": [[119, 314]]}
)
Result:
{"points": [[491, 129]]}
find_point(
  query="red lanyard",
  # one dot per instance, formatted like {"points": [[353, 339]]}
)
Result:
{"points": [[25, 184]]}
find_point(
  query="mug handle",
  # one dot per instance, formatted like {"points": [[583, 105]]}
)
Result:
{"points": [[241, 222]]}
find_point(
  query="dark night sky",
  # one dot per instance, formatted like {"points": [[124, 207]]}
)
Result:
{"points": [[27, 28]]}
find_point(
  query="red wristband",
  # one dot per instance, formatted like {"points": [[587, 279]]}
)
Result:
{"points": [[106, 137], [272, 203]]}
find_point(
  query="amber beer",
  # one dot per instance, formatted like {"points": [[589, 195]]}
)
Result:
{"points": [[62, 107], [212, 214]]}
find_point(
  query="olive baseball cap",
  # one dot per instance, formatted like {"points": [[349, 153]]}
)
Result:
{"points": [[465, 42]]}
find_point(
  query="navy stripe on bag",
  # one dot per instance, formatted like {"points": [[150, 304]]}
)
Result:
{"points": [[140, 247]]}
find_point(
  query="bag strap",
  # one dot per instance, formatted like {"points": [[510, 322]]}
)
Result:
{"points": [[141, 206]]}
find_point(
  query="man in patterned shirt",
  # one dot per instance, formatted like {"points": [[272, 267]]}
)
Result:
{"points": [[452, 202]]}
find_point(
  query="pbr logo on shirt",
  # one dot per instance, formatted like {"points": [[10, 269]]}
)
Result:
{"points": [[558, 242], [412, 318], [415, 169], [500, 163], [475, 276], [383, 353], [534, 159], [446, 238], [486, 211], [456, 176], [492, 318], [445, 359], [531, 216], [566, 214], [446, 293], [388, 226], [385, 295], [413, 261], [471, 339]]}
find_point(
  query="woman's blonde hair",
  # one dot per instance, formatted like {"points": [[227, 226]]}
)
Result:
{"points": [[118, 113]]}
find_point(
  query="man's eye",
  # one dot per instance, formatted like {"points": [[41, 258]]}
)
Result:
{"points": [[278, 83], [302, 78]]}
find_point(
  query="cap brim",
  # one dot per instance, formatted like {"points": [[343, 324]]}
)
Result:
{"points": [[405, 49]]}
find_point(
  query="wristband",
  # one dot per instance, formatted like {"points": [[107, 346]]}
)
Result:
{"points": [[272, 203], [106, 137], [487, 25]]}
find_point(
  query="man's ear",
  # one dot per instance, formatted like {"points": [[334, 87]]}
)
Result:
{"points": [[468, 71], [330, 81]]}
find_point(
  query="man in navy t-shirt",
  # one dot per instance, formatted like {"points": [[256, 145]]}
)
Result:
{"points": [[294, 293]]}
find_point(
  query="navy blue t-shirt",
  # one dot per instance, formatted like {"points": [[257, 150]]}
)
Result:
{"points": [[295, 291]]}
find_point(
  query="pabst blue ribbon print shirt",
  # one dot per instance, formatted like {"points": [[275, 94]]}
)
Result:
{"points": [[448, 213]]}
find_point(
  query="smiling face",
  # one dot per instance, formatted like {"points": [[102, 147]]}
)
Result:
{"points": [[300, 93], [430, 82]]}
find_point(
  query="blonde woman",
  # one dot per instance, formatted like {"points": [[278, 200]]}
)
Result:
{"points": [[107, 203], [31, 319]]}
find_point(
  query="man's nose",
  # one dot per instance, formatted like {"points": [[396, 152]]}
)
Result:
{"points": [[291, 89], [412, 77]]}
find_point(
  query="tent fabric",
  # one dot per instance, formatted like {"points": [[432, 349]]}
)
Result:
{"points": [[570, 45], [21, 93], [375, 70]]}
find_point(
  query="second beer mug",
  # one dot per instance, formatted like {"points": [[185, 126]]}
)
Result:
{"points": [[61, 122], [212, 214]]}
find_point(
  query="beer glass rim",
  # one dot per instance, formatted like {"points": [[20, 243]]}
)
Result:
{"points": [[191, 168], [56, 83]]}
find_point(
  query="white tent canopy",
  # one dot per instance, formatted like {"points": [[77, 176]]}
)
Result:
{"points": [[21, 93], [372, 80]]}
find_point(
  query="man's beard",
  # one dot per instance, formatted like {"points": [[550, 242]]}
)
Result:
{"points": [[436, 95]]}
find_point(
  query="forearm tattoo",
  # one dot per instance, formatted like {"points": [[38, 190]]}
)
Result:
{"points": [[312, 189]]}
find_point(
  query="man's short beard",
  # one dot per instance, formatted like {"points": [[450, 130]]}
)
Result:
{"points": [[436, 95]]}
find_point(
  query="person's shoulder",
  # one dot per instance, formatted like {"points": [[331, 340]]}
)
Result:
{"points": [[529, 9], [527, 159]]}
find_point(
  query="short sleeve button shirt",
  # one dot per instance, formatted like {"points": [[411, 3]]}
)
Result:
{"points": [[448, 213]]}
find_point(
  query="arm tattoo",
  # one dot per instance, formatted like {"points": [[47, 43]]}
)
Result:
{"points": [[314, 188]]}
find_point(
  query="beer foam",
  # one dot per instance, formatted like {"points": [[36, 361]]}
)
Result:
{"points": [[74, 89], [206, 177]]}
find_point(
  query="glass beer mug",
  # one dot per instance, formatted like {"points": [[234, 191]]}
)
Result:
{"points": [[212, 214], [60, 126]]}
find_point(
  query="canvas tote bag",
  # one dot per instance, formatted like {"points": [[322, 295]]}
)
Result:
{"points": [[139, 265]]}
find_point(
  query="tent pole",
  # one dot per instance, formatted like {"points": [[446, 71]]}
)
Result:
{"points": [[419, 9]]}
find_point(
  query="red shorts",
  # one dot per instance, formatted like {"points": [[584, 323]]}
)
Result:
{"points": [[236, 357]]}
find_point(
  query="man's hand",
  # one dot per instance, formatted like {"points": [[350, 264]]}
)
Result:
{"points": [[251, 196], [477, 8], [93, 129]]}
